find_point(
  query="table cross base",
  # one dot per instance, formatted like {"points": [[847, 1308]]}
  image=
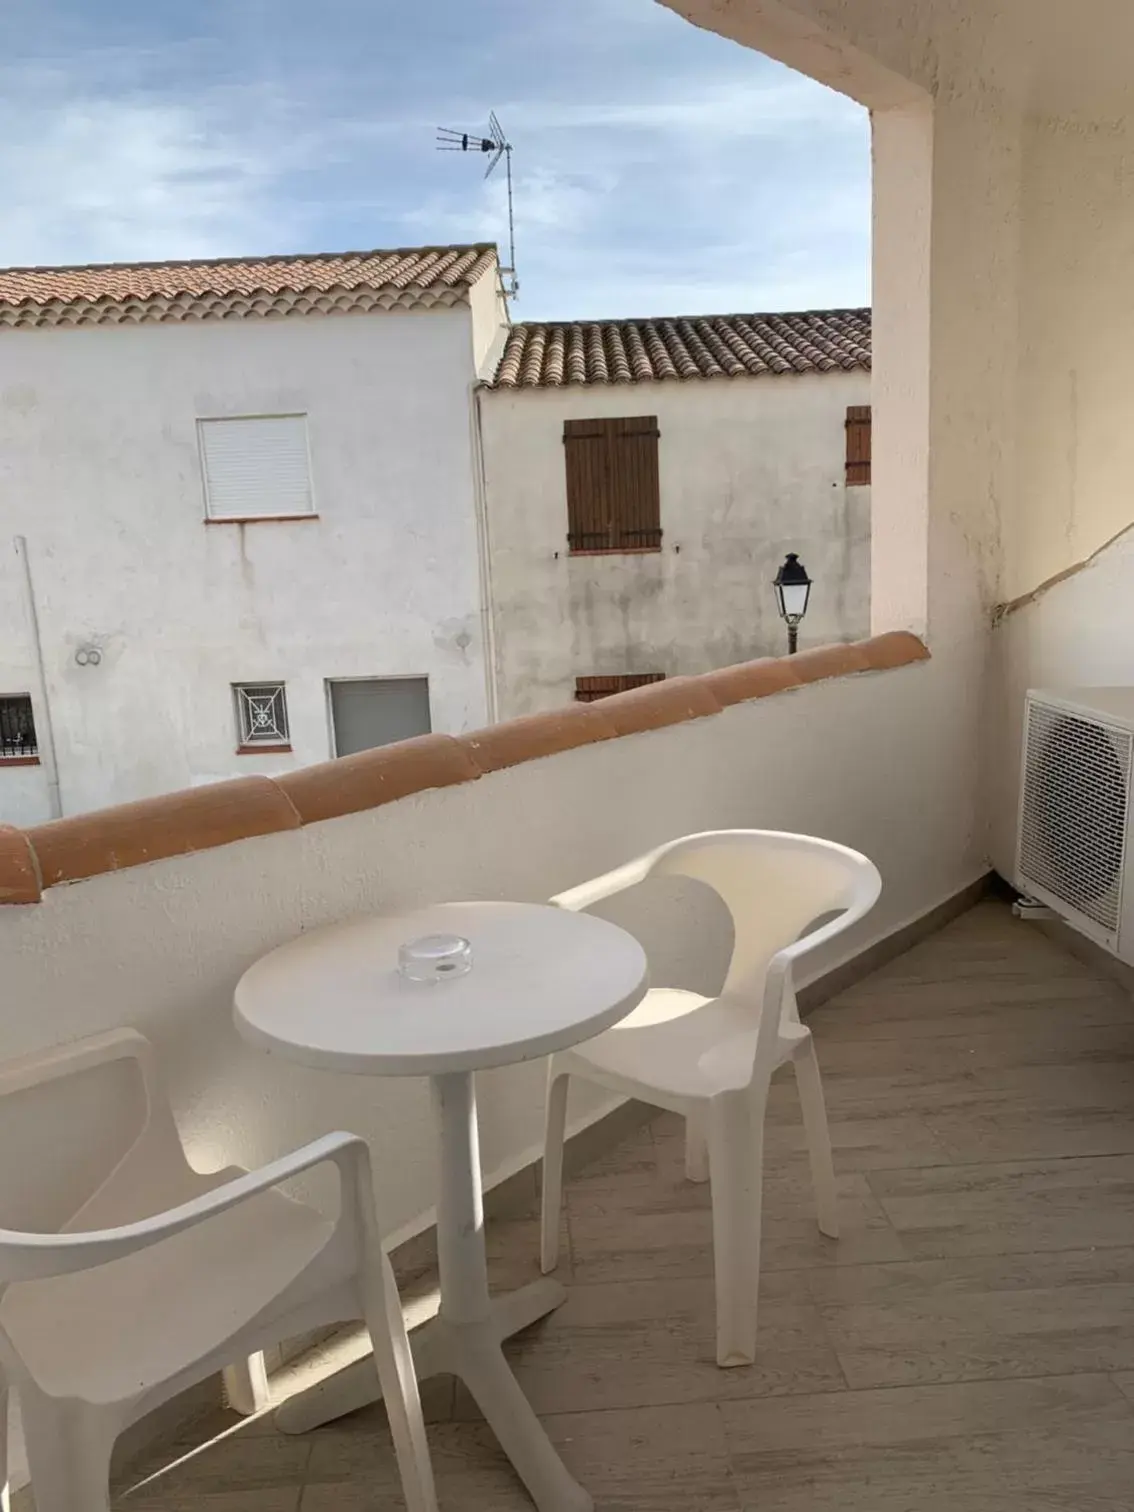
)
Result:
{"points": [[465, 1338]]}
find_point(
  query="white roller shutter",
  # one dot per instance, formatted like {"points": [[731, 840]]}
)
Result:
{"points": [[256, 466]]}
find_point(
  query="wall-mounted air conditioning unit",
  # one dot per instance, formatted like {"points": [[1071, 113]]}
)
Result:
{"points": [[1074, 845]]}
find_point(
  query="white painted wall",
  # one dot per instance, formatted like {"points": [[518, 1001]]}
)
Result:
{"points": [[1075, 445], [750, 468], [162, 946], [25, 797], [488, 311], [1076, 439], [99, 470]]}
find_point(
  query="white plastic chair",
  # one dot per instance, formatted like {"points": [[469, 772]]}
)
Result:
{"points": [[712, 1059], [127, 1276]]}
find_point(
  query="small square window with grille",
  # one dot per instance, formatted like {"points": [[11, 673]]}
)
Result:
{"points": [[588, 689], [17, 729], [261, 715]]}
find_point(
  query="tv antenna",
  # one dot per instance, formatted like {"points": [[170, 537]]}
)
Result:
{"points": [[498, 145]]}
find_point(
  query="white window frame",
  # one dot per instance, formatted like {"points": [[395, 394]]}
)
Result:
{"points": [[249, 738], [305, 514]]}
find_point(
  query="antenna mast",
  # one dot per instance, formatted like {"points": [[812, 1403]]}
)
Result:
{"points": [[498, 145]]}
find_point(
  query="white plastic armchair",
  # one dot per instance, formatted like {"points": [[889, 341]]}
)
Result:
{"points": [[127, 1276], [712, 1059]]}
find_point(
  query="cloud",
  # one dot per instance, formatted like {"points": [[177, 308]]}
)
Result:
{"points": [[91, 175], [658, 168], [737, 109]]}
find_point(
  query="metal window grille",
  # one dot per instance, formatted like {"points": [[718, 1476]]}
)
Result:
{"points": [[261, 711], [588, 689], [17, 728]]}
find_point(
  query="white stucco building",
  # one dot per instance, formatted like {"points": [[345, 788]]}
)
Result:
{"points": [[249, 475], [256, 513], [644, 480]]}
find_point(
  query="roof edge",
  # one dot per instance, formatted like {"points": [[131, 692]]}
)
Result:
{"points": [[247, 258], [109, 293], [554, 355], [160, 309], [628, 320]]}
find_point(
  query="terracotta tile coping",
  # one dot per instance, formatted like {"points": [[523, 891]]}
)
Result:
{"points": [[175, 824]]}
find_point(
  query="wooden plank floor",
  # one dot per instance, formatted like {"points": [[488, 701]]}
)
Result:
{"points": [[966, 1346]]}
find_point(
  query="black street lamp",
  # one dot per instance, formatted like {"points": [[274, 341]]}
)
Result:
{"points": [[793, 588]]}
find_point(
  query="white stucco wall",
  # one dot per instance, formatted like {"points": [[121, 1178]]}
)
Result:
{"points": [[24, 795], [1076, 440], [99, 470], [1075, 445], [749, 468], [489, 318]]}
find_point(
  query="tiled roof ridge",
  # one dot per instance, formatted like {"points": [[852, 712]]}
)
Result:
{"points": [[637, 320], [154, 829], [219, 288], [244, 259], [554, 354]]}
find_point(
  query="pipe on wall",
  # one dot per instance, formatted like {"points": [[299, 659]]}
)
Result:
{"points": [[484, 556], [45, 725]]}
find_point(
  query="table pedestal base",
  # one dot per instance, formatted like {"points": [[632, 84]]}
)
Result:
{"points": [[465, 1338], [470, 1351], [437, 1350]]}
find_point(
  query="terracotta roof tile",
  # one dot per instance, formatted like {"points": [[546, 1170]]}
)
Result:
{"points": [[539, 355], [113, 293]]}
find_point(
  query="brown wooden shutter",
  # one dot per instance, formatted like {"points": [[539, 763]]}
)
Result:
{"points": [[858, 443], [613, 488], [588, 689]]}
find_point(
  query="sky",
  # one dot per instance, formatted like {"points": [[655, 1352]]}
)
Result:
{"points": [[659, 169]]}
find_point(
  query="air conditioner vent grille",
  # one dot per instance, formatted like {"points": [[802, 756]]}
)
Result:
{"points": [[1073, 815]]}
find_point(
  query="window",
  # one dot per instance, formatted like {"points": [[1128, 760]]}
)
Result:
{"points": [[261, 716], [375, 711], [613, 492], [17, 730], [588, 689], [256, 468], [858, 443]]}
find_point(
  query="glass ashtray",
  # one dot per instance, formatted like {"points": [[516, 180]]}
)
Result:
{"points": [[434, 958]]}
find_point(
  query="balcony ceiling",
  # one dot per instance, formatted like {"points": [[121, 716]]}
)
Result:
{"points": [[1053, 57]]}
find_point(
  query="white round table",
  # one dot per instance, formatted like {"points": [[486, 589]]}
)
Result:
{"points": [[541, 979]]}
